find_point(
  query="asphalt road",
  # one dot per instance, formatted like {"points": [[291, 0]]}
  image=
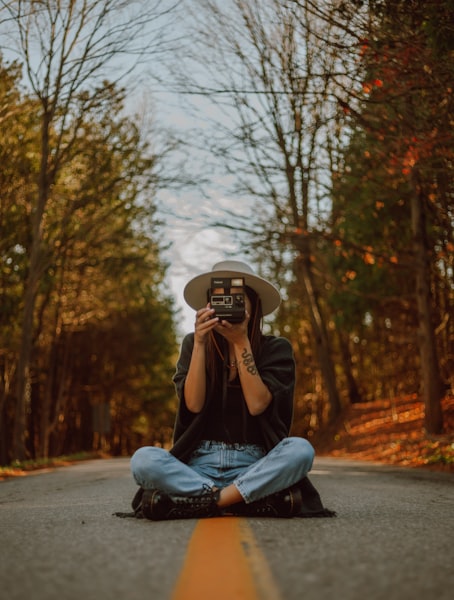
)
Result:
{"points": [[393, 538]]}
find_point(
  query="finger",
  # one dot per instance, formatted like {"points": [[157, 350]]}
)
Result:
{"points": [[205, 321], [203, 314], [203, 310]]}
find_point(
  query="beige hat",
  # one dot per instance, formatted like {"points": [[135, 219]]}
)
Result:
{"points": [[195, 291]]}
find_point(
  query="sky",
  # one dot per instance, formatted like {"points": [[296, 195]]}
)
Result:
{"points": [[195, 248], [188, 214]]}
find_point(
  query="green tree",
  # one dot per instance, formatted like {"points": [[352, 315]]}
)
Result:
{"points": [[103, 232], [370, 274], [17, 155], [104, 339], [66, 49], [405, 109]]}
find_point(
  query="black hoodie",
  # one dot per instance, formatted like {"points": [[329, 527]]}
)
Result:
{"points": [[276, 365]]}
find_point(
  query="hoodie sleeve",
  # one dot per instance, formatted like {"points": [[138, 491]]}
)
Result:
{"points": [[184, 416], [276, 365]]}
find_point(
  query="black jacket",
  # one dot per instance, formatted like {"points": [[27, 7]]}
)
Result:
{"points": [[276, 366]]}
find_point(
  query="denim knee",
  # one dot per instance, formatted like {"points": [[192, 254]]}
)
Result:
{"points": [[301, 455], [145, 461]]}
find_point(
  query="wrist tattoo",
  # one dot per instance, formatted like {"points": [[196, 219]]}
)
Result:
{"points": [[248, 362]]}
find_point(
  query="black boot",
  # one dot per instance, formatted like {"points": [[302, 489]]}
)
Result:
{"points": [[286, 503], [159, 506]]}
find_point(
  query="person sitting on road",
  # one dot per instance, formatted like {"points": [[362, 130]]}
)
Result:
{"points": [[232, 453]]}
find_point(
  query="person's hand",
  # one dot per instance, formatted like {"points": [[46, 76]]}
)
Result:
{"points": [[205, 321], [234, 332]]}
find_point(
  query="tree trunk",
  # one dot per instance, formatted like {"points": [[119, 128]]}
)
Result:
{"points": [[432, 384], [321, 339], [50, 423], [23, 389], [35, 271], [6, 377], [354, 394]]}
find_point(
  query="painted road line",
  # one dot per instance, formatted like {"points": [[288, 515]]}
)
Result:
{"points": [[263, 578], [223, 561]]}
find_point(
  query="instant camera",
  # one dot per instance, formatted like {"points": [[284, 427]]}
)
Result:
{"points": [[227, 306]]}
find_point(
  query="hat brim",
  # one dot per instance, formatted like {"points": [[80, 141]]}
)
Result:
{"points": [[195, 291]]}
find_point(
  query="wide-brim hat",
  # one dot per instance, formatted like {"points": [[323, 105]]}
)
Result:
{"points": [[195, 291]]}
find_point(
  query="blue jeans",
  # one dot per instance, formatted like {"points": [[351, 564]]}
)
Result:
{"points": [[254, 472]]}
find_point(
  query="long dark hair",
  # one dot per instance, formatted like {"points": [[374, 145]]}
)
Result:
{"points": [[217, 348]]}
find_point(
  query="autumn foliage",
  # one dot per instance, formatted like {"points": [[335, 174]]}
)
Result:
{"points": [[392, 432]]}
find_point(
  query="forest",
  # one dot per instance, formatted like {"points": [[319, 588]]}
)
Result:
{"points": [[331, 122]]}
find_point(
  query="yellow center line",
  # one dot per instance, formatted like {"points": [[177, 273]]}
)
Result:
{"points": [[223, 561]]}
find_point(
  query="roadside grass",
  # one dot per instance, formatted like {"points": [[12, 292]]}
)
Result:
{"points": [[21, 468]]}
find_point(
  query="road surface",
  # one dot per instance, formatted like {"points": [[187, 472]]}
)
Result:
{"points": [[393, 539]]}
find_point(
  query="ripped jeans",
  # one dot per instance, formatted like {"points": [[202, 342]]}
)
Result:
{"points": [[254, 472]]}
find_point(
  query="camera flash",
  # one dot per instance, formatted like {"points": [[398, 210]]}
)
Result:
{"points": [[237, 282]]}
